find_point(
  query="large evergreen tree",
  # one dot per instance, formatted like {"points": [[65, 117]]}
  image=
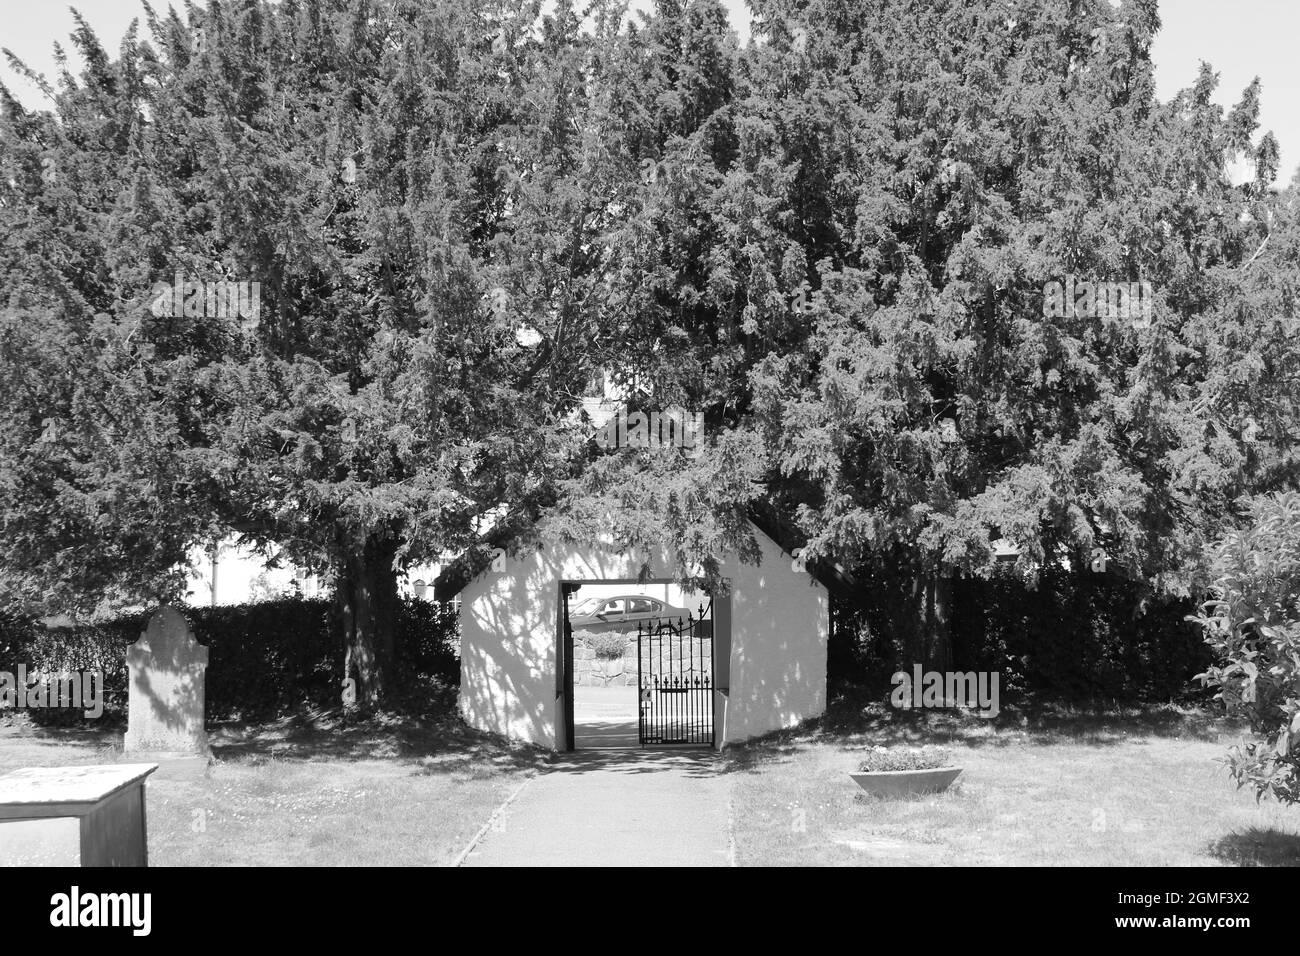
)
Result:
{"points": [[835, 242], [849, 274], [413, 186]]}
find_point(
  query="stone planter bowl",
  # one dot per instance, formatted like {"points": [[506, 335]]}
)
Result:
{"points": [[906, 783]]}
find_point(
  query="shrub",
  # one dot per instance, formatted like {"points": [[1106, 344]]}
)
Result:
{"points": [[1253, 626], [923, 758], [1079, 637], [47, 652], [609, 646], [428, 654]]}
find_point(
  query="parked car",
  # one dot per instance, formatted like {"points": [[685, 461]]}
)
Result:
{"points": [[623, 612]]}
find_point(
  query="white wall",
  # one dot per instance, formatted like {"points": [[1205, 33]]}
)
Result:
{"points": [[509, 656], [507, 664], [780, 624]]}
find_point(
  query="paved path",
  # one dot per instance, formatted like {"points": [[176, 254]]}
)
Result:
{"points": [[605, 717], [611, 803], [616, 807]]}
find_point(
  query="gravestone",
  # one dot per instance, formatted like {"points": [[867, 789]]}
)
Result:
{"points": [[165, 705]]}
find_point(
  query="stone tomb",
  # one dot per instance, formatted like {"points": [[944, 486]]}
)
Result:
{"points": [[74, 816]]}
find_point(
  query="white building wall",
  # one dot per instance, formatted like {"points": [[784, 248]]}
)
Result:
{"points": [[780, 625], [509, 619], [507, 650]]}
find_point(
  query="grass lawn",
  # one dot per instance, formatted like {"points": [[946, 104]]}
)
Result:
{"points": [[1124, 789], [1121, 789], [309, 792]]}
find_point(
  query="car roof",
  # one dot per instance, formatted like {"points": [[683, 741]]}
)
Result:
{"points": [[625, 597]]}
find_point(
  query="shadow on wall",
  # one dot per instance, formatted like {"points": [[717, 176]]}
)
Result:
{"points": [[778, 649], [508, 658], [508, 654], [508, 637]]}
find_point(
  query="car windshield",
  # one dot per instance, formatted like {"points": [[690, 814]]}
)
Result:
{"points": [[585, 606]]}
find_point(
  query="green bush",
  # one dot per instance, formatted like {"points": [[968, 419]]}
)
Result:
{"points": [[1253, 627]]}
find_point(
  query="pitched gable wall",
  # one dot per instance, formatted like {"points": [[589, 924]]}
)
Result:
{"points": [[509, 666]]}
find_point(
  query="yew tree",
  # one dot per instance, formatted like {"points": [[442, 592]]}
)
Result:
{"points": [[414, 188], [845, 267], [833, 241]]}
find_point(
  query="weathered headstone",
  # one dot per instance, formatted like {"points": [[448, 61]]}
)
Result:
{"points": [[165, 704]]}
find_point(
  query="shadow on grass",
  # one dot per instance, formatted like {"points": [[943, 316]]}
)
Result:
{"points": [[688, 761], [24, 743], [1258, 846], [440, 744], [856, 722], [21, 726], [433, 743]]}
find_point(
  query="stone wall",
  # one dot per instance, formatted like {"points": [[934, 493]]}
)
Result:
{"points": [[590, 670]]}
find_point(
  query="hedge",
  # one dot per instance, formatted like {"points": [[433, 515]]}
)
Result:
{"points": [[1078, 638], [265, 659]]}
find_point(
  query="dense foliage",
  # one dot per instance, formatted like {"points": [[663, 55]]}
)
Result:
{"points": [[1087, 639], [1253, 626], [410, 188], [884, 760], [607, 645], [264, 660], [834, 242], [847, 271]]}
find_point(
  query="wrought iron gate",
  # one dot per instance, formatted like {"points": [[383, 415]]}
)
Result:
{"points": [[675, 681]]}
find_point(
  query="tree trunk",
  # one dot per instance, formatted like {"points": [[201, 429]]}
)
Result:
{"points": [[929, 642], [367, 596]]}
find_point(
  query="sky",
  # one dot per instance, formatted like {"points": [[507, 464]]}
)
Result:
{"points": [[1240, 39]]}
